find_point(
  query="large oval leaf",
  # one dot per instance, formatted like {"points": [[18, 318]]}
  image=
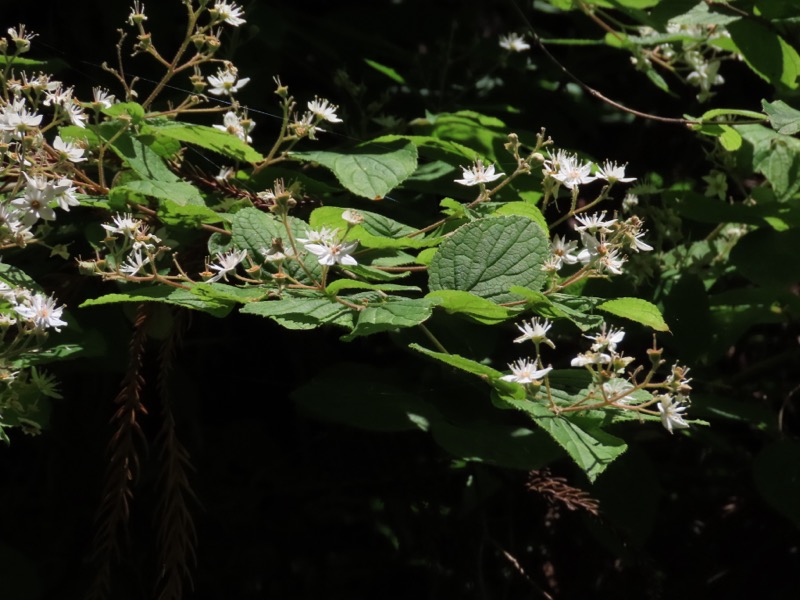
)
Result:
{"points": [[488, 256], [370, 170]]}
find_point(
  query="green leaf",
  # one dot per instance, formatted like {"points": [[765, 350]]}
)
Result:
{"points": [[702, 14], [766, 53], [388, 71], [130, 109], [465, 364], [303, 313], [783, 118], [481, 133], [146, 163], [176, 296], [468, 304], [523, 209], [216, 140], [370, 170], [488, 256], [178, 192], [376, 231], [188, 215], [590, 447], [350, 284], [390, 314], [637, 310]]}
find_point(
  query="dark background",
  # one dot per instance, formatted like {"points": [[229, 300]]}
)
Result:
{"points": [[290, 507]]}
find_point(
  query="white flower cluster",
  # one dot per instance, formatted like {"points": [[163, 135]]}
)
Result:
{"points": [[132, 243], [602, 243], [530, 372], [692, 55], [31, 312], [319, 110], [568, 170]]}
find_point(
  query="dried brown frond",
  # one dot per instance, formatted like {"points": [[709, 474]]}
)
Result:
{"points": [[557, 491], [177, 537], [123, 462]]}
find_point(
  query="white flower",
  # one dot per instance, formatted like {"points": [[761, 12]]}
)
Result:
{"points": [[34, 204], [478, 173], [563, 251], [102, 97], [124, 224], [227, 263], [75, 114], [230, 13], [324, 110], [134, 263], [58, 96], [594, 223], [68, 150], [606, 340], [224, 174], [590, 358], [567, 169], [41, 311], [353, 217], [226, 81], [332, 253], [525, 371], [17, 120], [323, 236], [612, 262], [233, 124], [671, 417], [535, 331], [514, 42], [611, 172], [64, 194]]}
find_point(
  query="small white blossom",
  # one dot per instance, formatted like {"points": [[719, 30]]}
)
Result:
{"points": [[233, 124], [226, 81], [563, 251], [594, 223], [68, 150], [567, 169], [64, 194], [332, 253], [323, 236], [324, 110], [102, 97], [478, 173], [606, 339], [34, 204], [137, 13], [135, 262], [227, 263], [41, 311], [230, 13], [612, 173], [525, 372], [75, 114], [535, 331], [671, 417], [514, 42], [123, 224]]}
